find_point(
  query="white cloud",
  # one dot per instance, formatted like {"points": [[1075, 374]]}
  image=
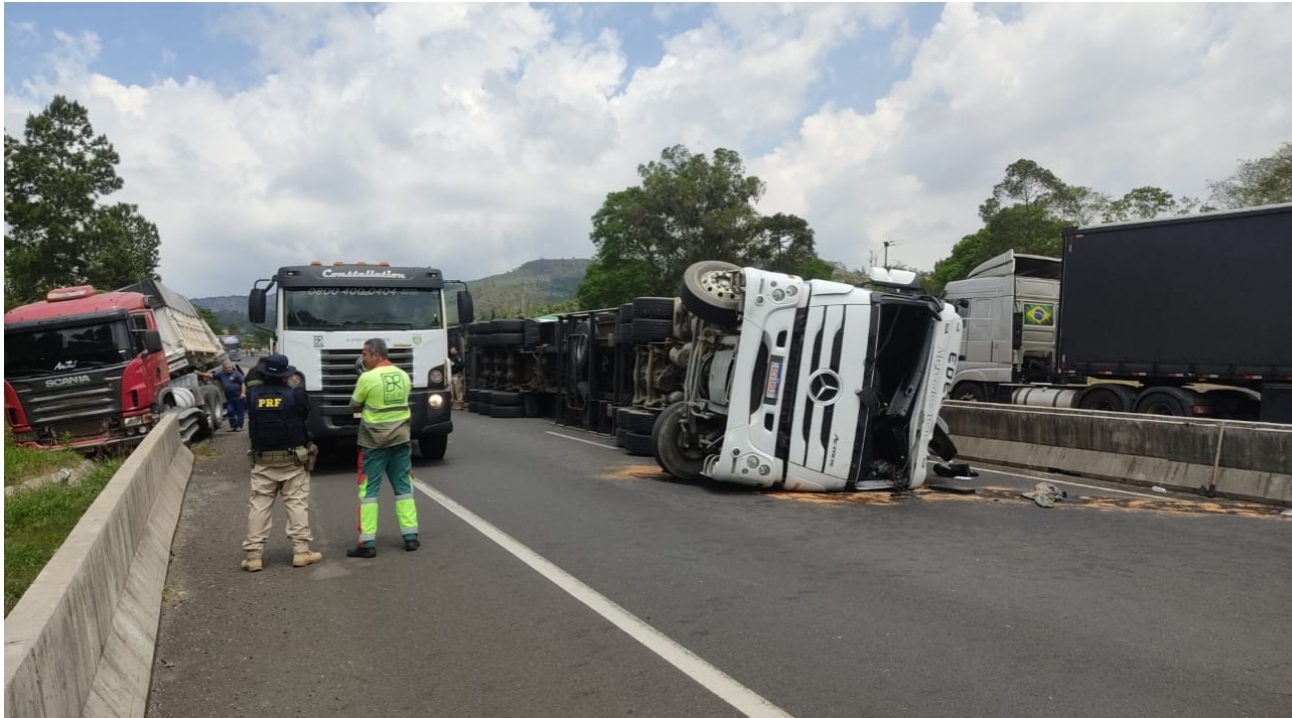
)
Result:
{"points": [[1111, 96], [477, 137]]}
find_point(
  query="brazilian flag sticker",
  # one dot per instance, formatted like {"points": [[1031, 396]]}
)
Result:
{"points": [[1038, 315]]}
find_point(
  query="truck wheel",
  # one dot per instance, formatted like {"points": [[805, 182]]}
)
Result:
{"points": [[645, 331], [433, 447], [1107, 397], [638, 444], [672, 452], [1166, 401], [968, 391], [508, 412], [652, 308], [707, 292]]}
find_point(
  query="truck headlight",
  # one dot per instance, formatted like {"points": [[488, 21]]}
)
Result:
{"points": [[435, 400], [133, 420], [436, 376]]}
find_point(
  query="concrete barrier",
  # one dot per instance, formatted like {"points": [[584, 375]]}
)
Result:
{"points": [[1235, 459], [81, 639]]}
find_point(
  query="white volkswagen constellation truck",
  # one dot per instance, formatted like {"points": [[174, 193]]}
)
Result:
{"points": [[807, 385]]}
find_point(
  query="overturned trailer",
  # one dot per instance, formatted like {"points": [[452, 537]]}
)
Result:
{"points": [[751, 377]]}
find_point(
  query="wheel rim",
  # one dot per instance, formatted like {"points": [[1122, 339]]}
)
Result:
{"points": [[718, 284]]}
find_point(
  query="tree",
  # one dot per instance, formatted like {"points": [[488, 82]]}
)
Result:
{"points": [[211, 320], [688, 208], [59, 234], [1267, 180]]}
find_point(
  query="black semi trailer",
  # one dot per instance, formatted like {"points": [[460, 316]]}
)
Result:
{"points": [[1194, 309]]}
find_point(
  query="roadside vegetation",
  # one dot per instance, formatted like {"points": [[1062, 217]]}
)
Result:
{"points": [[22, 464], [38, 520]]}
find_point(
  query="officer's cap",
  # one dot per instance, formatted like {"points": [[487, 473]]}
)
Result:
{"points": [[276, 365]]}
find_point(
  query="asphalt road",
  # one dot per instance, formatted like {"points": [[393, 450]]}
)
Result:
{"points": [[930, 605]]}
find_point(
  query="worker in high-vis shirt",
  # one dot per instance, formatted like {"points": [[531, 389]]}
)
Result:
{"points": [[385, 446]]}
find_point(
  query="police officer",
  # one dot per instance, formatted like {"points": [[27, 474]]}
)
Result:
{"points": [[281, 459]]}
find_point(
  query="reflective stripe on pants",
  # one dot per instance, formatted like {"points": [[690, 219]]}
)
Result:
{"points": [[397, 463]]}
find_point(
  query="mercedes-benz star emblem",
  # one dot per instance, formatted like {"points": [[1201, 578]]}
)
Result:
{"points": [[823, 387]]}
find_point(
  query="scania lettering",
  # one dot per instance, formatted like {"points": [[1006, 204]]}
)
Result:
{"points": [[807, 385], [69, 380], [324, 314]]}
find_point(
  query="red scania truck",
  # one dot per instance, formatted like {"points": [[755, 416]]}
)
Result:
{"points": [[86, 369]]}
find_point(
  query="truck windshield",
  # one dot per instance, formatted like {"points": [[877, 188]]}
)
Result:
{"points": [[361, 308], [57, 349]]}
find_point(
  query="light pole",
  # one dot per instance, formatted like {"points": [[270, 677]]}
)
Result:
{"points": [[887, 244]]}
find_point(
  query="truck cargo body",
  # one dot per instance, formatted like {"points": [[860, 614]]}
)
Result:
{"points": [[189, 341], [1202, 298]]}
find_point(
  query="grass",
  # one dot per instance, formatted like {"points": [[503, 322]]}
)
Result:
{"points": [[37, 521], [22, 463]]}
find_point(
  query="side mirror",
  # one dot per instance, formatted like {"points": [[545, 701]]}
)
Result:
{"points": [[893, 277], [256, 306], [152, 341], [466, 308]]}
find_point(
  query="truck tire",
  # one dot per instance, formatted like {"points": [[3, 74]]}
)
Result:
{"points": [[671, 452], [639, 444], [508, 412], [1166, 401], [432, 448], [508, 326], [707, 293], [638, 421], [507, 398], [968, 391], [651, 308], [1107, 397], [645, 331]]}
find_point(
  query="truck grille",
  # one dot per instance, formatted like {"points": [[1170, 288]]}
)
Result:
{"points": [[70, 408], [340, 376]]}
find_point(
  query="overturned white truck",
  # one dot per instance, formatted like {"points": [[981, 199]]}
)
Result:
{"points": [[807, 385]]}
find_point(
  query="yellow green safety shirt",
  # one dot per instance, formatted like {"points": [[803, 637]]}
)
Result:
{"points": [[382, 395]]}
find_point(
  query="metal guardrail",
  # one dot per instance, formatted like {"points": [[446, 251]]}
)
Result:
{"points": [[1237, 459]]}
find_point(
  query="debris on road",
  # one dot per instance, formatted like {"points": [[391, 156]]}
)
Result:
{"points": [[950, 489], [1045, 495], [954, 470]]}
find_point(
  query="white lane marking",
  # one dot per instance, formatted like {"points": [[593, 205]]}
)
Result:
{"points": [[585, 441], [1156, 496], [699, 670]]}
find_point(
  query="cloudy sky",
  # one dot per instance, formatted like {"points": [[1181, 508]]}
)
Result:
{"points": [[477, 137]]}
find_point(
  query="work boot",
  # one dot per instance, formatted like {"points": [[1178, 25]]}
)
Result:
{"points": [[361, 552], [412, 544], [306, 557], [251, 563]]}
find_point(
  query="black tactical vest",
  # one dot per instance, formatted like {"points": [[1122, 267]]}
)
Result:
{"points": [[275, 420]]}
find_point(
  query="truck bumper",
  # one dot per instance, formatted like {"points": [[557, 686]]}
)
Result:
{"points": [[335, 423]]}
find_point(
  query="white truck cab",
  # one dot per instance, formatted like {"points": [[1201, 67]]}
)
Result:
{"points": [[807, 385]]}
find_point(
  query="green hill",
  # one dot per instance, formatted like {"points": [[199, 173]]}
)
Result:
{"points": [[529, 289]]}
